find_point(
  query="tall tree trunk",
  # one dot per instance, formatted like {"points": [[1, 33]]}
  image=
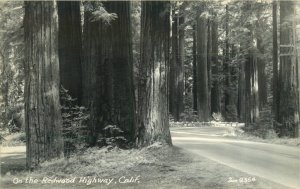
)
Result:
{"points": [[241, 93], [215, 91], [202, 74], [227, 74], [275, 64], [123, 110], [251, 88], [180, 69], [262, 79], [288, 88], [176, 85], [173, 85], [194, 70], [69, 47], [153, 123], [209, 61], [94, 73], [42, 108]]}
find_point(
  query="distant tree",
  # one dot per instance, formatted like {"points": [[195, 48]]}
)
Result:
{"points": [[153, 120], [288, 114], [202, 74], [70, 48], [229, 103], [275, 104], [176, 86], [215, 90], [42, 108], [194, 70], [209, 60]]}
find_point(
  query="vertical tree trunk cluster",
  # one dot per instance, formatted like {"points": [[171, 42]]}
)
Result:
{"points": [[153, 123], [288, 112], [42, 108], [176, 84]]}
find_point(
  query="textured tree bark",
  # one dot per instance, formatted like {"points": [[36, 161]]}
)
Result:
{"points": [[91, 55], [202, 74], [123, 110], [215, 91], [288, 87], [153, 121], [108, 71], [70, 48], [42, 108]]}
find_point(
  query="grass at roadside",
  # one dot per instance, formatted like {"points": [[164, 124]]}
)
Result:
{"points": [[156, 167]]}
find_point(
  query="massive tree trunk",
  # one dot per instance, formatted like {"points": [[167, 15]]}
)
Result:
{"points": [[108, 71], [42, 108], [91, 93], [153, 121], [202, 74], [123, 110], [176, 85], [288, 88], [69, 47], [215, 91], [194, 70]]}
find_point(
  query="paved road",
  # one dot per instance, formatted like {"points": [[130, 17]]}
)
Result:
{"points": [[278, 163]]}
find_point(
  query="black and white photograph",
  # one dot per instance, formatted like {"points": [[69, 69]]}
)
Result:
{"points": [[141, 94]]}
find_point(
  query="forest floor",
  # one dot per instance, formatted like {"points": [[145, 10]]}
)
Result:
{"points": [[156, 166]]}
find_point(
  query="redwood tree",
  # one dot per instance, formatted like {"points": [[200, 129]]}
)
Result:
{"points": [[153, 120], [42, 108], [121, 60], [69, 47], [288, 114], [215, 90], [176, 85], [202, 74]]}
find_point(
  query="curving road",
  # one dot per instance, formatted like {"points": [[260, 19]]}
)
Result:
{"points": [[277, 163]]}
